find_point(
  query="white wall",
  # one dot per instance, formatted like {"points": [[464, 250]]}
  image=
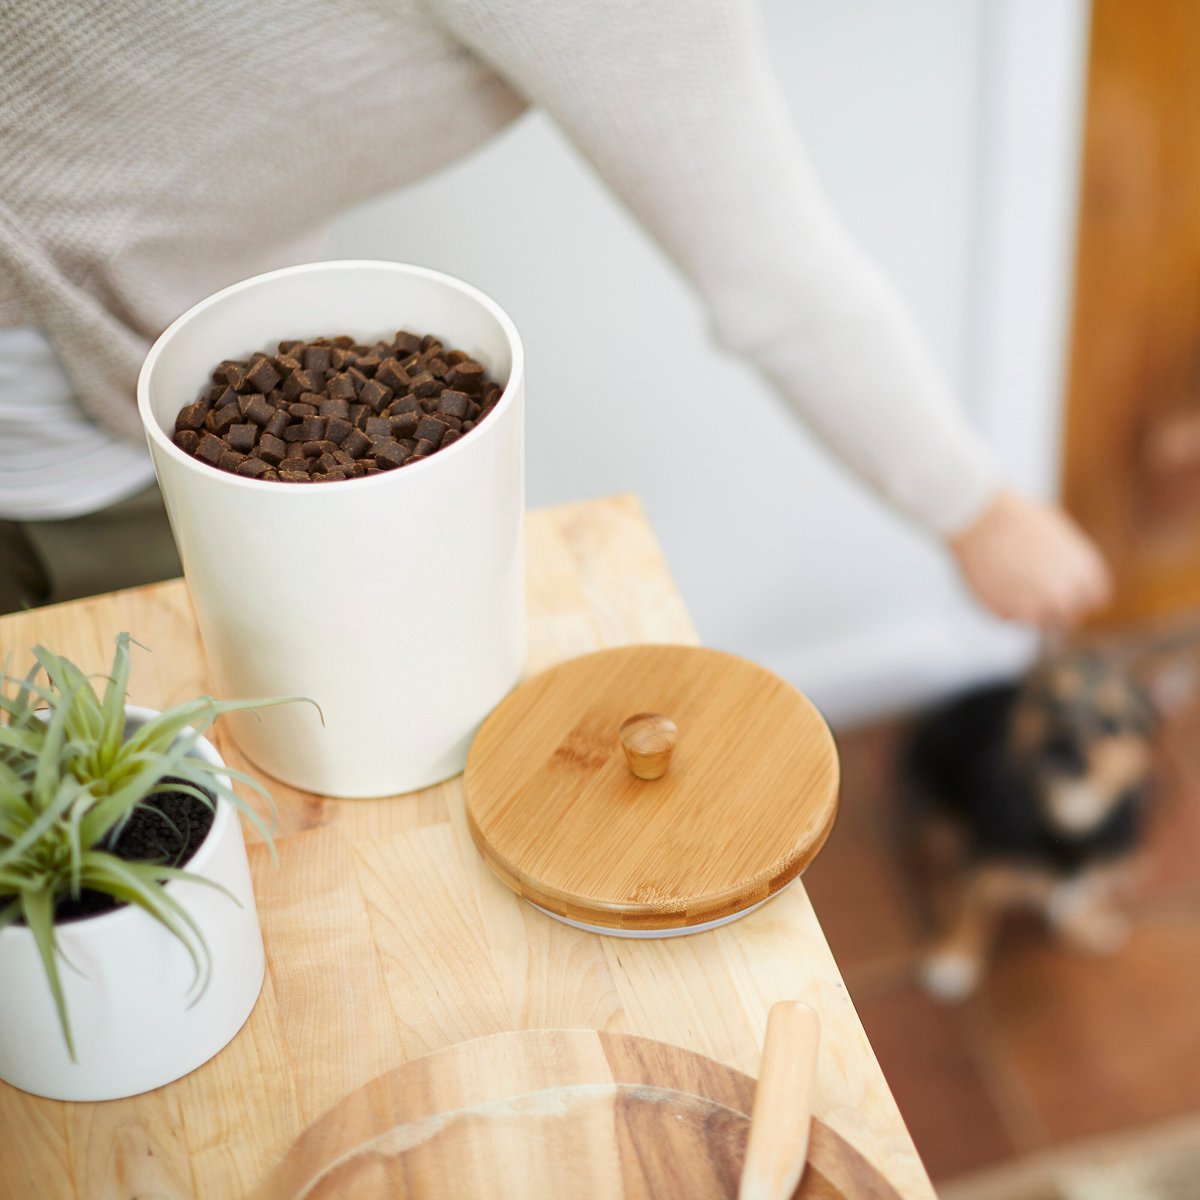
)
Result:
{"points": [[945, 133]]}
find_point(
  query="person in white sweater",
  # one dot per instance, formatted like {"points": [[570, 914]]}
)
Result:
{"points": [[151, 153]]}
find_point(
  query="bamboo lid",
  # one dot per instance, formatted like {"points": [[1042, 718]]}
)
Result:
{"points": [[563, 804]]}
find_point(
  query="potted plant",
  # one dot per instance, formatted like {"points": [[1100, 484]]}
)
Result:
{"points": [[120, 968]]}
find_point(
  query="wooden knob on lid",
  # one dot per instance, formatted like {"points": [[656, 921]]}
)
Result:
{"points": [[648, 740]]}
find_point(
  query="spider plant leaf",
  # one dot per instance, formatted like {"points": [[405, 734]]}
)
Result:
{"points": [[200, 713], [159, 733], [85, 718], [112, 707], [13, 882], [43, 821], [139, 883], [209, 777], [20, 707], [10, 781], [27, 741], [37, 907], [48, 774], [113, 810]]}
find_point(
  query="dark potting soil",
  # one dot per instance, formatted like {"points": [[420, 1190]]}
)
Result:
{"points": [[167, 828]]}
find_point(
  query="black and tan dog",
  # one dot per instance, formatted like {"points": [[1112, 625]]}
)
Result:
{"points": [[1042, 784]]}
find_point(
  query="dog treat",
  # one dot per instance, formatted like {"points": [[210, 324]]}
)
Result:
{"points": [[329, 409]]}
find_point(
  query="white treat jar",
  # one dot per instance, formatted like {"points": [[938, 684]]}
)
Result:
{"points": [[395, 601]]}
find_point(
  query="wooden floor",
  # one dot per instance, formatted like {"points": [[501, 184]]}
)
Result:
{"points": [[1057, 1047]]}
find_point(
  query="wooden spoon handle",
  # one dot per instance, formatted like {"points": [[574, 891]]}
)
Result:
{"points": [[778, 1143]]}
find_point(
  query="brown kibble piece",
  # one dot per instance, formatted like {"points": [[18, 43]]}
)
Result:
{"points": [[318, 358], [294, 476], [252, 468], [230, 460], [231, 373], [187, 440], [334, 407], [309, 380], [406, 404], [391, 374], [210, 449], [430, 429], [191, 417], [271, 449], [219, 420], [337, 429], [454, 404], [242, 437], [465, 377], [389, 454], [278, 423], [404, 424], [259, 410], [425, 385], [262, 377], [356, 443], [341, 386], [376, 395]]}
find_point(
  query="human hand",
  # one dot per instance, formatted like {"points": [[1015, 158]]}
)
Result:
{"points": [[1028, 561]]}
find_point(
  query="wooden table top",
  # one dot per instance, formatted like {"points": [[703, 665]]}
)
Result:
{"points": [[387, 936]]}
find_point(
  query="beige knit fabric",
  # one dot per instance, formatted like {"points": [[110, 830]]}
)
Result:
{"points": [[151, 153]]}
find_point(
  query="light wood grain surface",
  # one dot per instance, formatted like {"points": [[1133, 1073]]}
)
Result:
{"points": [[388, 937]]}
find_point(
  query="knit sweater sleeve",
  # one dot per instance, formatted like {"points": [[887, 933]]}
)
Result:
{"points": [[675, 105]]}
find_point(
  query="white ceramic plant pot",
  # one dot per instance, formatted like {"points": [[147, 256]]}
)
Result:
{"points": [[134, 1016], [395, 601]]}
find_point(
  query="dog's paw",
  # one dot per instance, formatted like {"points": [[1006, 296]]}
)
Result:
{"points": [[1098, 932], [950, 976]]}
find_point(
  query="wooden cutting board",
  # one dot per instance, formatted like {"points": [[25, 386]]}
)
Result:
{"points": [[555, 1114], [747, 801]]}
